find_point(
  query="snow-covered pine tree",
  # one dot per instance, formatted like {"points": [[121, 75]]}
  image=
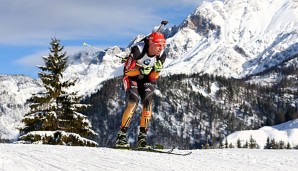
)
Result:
{"points": [[252, 143], [226, 143], [239, 143], [273, 144], [246, 144], [267, 145], [54, 116], [288, 145]]}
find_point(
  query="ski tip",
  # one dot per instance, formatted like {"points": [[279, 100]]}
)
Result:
{"points": [[187, 153], [122, 148]]}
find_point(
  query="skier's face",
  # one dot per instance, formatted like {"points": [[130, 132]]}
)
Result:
{"points": [[157, 48]]}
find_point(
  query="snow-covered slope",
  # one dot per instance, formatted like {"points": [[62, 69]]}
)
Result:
{"points": [[235, 38], [45, 157], [92, 67], [287, 132], [14, 91]]}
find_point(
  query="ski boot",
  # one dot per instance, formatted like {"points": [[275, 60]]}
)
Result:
{"points": [[121, 141], [142, 142]]}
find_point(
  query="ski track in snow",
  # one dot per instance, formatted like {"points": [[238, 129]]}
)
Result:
{"points": [[46, 157]]}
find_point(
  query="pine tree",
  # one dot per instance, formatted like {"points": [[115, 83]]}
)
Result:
{"points": [[252, 143], [281, 144], [221, 145], [246, 144], [239, 143], [226, 143], [55, 111], [268, 144], [273, 144], [206, 146], [288, 145]]}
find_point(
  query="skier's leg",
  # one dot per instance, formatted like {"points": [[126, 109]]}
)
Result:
{"points": [[132, 98], [147, 97], [132, 101], [146, 112]]}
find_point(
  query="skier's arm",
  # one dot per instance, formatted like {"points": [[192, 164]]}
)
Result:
{"points": [[130, 68], [153, 76]]}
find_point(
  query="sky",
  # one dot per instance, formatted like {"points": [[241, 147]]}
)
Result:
{"points": [[28, 26]]}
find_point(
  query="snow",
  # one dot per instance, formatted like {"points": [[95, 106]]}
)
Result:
{"points": [[93, 67], [287, 132], [14, 90], [47, 134], [249, 37], [214, 88], [46, 157]]}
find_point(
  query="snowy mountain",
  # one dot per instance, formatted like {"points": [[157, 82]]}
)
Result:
{"points": [[286, 132], [93, 67], [231, 38], [14, 91], [235, 38]]}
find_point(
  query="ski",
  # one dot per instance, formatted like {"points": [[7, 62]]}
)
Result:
{"points": [[169, 152], [154, 151], [142, 149]]}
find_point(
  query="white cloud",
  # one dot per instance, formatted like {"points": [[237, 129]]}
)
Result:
{"points": [[31, 22], [32, 60], [36, 58]]}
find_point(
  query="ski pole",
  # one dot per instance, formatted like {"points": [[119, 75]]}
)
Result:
{"points": [[86, 44], [124, 59], [163, 23]]}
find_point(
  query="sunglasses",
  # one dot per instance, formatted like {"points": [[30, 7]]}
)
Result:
{"points": [[158, 44]]}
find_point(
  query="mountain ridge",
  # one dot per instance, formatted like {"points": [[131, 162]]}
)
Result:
{"points": [[219, 38]]}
